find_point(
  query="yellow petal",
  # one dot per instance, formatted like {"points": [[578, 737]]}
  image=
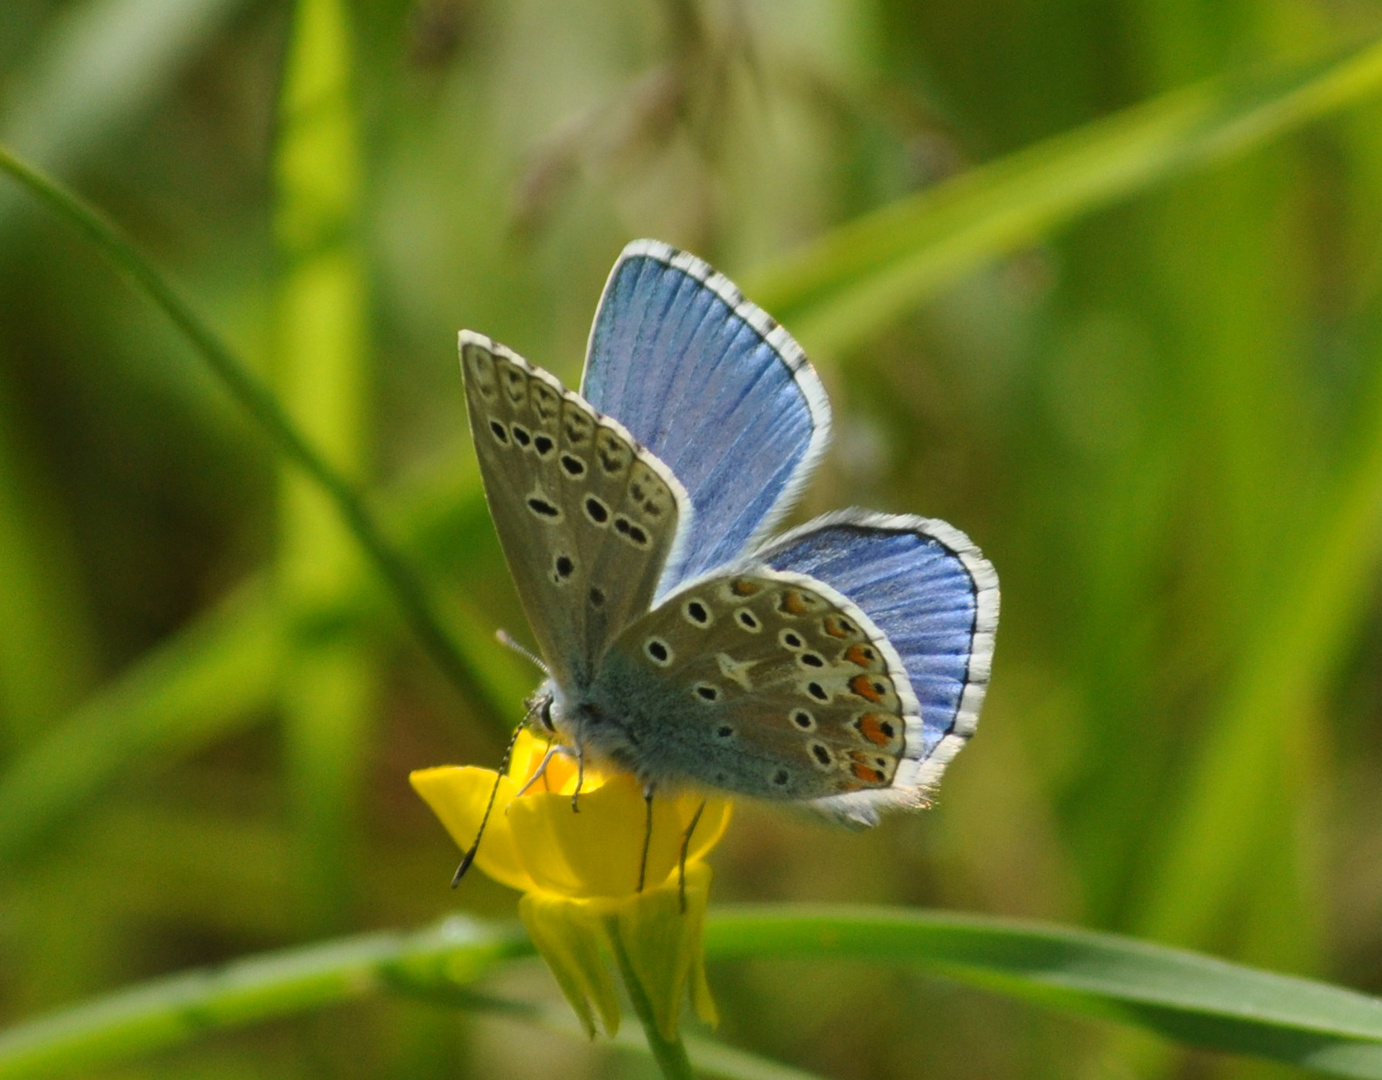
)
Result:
{"points": [[573, 941], [593, 852], [598, 850], [458, 796]]}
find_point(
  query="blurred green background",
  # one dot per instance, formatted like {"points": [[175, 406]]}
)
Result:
{"points": [[1162, 421]]}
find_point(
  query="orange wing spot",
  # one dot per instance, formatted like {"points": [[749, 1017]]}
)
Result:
{"points": [[869, 775], [871, 728], [743, 587], [868, 688], [861, 655], [793, 603], [837, 627]]}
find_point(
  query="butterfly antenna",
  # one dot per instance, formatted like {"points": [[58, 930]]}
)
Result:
{"points": [[647, 835], [473, 850], [506, 639], [685, 844]]}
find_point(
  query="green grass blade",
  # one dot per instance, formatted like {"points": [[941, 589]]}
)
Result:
{"points": [[1185, 996], [1299, 640], [1181, 995], [213, 677], [177, 1010], [46, 638], [322, 374], [840, 289], [259, 402], [102, 64], [220, 672]]}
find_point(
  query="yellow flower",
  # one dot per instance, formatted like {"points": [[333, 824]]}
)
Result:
{"points": [[580, 872]]}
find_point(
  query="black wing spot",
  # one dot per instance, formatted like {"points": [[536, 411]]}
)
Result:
{"points": [[573, 465], [748, 620], [780, 778], [597, 597], [803, 719], [500, 431], [596, 510], [697, 612], [658, 651], [564, 567], [810, 659], [521, 435], [543, 508], [821, 753], [791, 639], [706, 692], [817, 691], [543, 444], [724, 731]]}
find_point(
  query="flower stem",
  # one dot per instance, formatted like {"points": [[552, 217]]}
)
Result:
{"points": [[670, 1055]]}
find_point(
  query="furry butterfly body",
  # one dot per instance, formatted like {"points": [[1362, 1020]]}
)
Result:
{"points": [[839, 666]]}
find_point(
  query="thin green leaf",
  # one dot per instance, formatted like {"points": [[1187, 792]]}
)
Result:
{"points": [[177, 1010], [219, 673], [1182, 995], [99, 67], [184, 695], [1185, 996], [322, 375], [259, 402], [840, 289]]}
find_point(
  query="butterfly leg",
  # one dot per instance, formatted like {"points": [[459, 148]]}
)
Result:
{"points": [[681, 863], [580, 780], [647, 834], [540, 773]]}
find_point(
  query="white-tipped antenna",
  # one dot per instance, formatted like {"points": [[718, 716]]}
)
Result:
{"points": [[504, 638]]}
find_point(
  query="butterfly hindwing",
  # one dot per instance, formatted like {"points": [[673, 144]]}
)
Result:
{"points": [[586, 517], [770, 684], [712, 385], [926, 586]]}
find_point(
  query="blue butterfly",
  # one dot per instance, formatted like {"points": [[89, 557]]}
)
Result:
{"points": [[840, 665]]}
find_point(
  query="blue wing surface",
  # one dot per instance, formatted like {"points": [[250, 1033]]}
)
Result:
{"points": [[712, 386], [926, 586]]}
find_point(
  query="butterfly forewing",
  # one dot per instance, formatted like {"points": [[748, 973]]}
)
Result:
{"points": [[586, 517], [766, 683], [712, 385]]}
